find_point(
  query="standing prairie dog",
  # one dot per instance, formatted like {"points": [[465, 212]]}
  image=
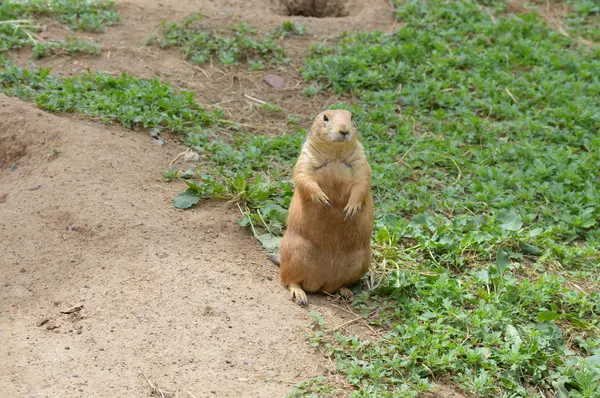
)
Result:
{"points": [[327, 244]]}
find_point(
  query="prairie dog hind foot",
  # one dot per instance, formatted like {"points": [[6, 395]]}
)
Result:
{"points": [[298, 294], [346, 293]]}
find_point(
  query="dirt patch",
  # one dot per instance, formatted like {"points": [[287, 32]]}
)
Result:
{"points": [[444, 391], [313, 8], [103, 281], [11, 149], [15, 144]]}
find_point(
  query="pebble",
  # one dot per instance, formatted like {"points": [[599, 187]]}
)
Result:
{"points": [[51, 325], [274, 81], [191, 157]]}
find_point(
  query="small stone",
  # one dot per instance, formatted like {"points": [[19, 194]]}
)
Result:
{"points": [[67, 348], [35, 187], [73, 228], [51, 325], [191, 157], [274, 81], [22, 270], [162, 255], [158, 142]]}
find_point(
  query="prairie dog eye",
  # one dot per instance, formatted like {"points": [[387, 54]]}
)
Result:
{"points": [[325, 118]]}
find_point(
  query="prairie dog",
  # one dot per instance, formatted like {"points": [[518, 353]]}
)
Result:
{"points": [[327, 244]]}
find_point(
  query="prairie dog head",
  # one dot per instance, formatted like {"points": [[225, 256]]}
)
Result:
{"points": [[334, 126]]}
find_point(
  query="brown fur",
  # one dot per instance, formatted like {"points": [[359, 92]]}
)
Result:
{"points": [[327, 244]]}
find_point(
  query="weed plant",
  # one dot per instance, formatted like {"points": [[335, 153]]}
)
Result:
{"points": [[70, 46], [17, 26], [239, 43]]}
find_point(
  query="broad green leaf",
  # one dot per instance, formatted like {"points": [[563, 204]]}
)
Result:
{"points": [[546, 316], [269, 242], [186, 199], [552, 332], [510, 220], [560, 391], [514, 337], [535, 232], [501, 261], [594, 361], [483, 275]]}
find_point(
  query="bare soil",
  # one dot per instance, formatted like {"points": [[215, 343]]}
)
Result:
{"points": [[103, 281], [107, 290]]}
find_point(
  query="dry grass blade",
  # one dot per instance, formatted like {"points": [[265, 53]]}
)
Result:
{"points": [[15, 22], [156, 390]]}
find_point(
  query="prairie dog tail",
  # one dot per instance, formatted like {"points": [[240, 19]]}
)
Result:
{"points": [[274, 258]]}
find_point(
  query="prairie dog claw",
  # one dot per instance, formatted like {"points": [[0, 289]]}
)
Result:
{"points": [[298, 294]]}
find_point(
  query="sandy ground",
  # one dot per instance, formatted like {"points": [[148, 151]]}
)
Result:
{"points": [[186, 298], [106, 290]]}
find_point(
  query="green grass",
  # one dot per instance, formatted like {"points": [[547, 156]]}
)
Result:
{"points": [[70, 46], [18, 26], [492, 125], [237, 44], [124, 99], [482, 132], [288, 29], [584, 19]]}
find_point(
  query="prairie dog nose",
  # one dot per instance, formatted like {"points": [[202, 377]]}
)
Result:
{"points": [[344, 130]]}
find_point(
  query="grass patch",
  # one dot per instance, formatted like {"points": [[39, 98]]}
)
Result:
{"points": [[236, 44], [18, 27], [124, 99], [491, 125], [71, 46], [482, 131], [583, 19], [289, 29]]}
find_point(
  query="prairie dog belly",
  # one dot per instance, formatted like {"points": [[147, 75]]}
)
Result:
{"points": [[335, 179], [332, 234]]}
